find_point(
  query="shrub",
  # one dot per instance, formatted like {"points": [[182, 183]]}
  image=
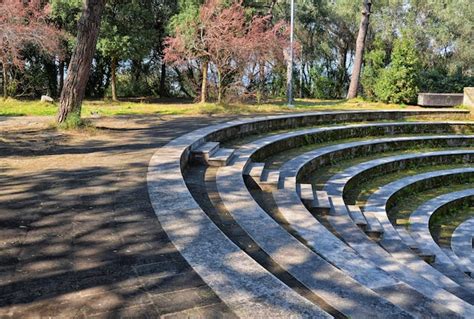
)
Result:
{"points": [[398, 83], [440, 81], [373, 66]]}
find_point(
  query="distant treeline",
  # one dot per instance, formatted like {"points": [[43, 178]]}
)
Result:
{"points": [[166, 47]]}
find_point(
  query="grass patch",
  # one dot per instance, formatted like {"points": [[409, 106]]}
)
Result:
{"points": [[443, 224], [12, 107], [321, 176], [360, 194]]}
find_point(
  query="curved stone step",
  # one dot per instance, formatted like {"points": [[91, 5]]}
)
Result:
{"points": [[374, 227], [377, 204], [338, 183], [221, 157], [351, 234], [255, 170], [326, 281], [242, 284], [420, 219], [464, 265], [357, 216], [461, 243], [243, 157], [188, 227], [299, 162], [204, 152], [293, 168]]}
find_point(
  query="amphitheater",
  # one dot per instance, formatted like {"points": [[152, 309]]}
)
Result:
{"points": [[356, 214]]}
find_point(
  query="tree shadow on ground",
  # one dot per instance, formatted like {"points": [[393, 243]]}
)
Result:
{"points": [[83, 241]]}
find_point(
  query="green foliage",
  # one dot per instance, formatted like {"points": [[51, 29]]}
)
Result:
{"points": [[398, 83], [128, 85], [127, 30], [73, 121], [440, 81], [66, 13], [373, 67], [132, 31], [188, 13], [322, 86]]}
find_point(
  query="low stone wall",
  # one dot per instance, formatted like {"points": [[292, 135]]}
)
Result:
{"points": [[440, 99], [468, 97]]}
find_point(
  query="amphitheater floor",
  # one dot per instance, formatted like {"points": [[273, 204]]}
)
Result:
{"points": [[78, 235]]}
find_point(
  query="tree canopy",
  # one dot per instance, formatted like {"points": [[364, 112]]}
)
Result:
{"points": [[168, 47]]}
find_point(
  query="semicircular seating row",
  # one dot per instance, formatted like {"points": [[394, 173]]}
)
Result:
{"points": [[356, 264]]}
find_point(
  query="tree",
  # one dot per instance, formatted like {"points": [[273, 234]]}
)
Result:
{"points": [[374, 64], [398, 83], [126, 33], [65, 14], [360, 46], [222, 40], [74, 87], [23, 23]]}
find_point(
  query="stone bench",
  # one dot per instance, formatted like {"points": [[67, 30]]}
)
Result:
{"points": [[357, 216], [468, 97], [461, 243], [315, 200], [440, 99], [282, 142], [340, 182], [364, 270], [323, 156], [420, 219], [240, 128], [380, 202]]}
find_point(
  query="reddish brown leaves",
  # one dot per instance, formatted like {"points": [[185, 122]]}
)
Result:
{"points": [[23, 22], [224, 37]]}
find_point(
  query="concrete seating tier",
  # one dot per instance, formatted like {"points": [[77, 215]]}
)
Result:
{"points": [[461, 243], [322, 278], [288, 201], [249, 289], [253, 218], [339, 183], [282, 142], [420, 220], [380, 202]]}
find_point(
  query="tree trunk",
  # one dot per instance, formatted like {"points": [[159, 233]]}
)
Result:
{"points": [[360, 46], [52, 76], [270, 8], [163, 92], [219, 86], [261, 86], [61, 76], [74, 87], [342, 70], [289, 79], [113, 71], [301, 79], [5, 79], [204, 82]]}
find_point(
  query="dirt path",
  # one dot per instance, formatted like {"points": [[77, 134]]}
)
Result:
{"points": [[78, 236]]}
